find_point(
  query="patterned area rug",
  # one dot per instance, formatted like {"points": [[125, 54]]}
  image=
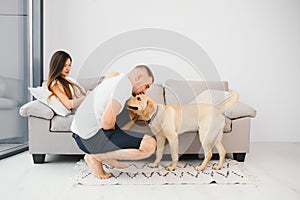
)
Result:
{"points": [[138, 173]]}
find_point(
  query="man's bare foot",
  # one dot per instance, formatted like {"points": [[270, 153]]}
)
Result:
{"points": [[115, 164], [96, 167]]}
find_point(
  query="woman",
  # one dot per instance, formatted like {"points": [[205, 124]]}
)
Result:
{"points": [[69, 93]]}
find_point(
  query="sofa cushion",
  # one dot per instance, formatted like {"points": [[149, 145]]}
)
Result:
{"points": [[215, 97], [183, 92], [239, 110], [61, 124], [156, 92], [89, 83], [36, 109]]}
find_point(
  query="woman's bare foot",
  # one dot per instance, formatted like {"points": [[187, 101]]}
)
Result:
{"points": [[96, 167], [115, 164]]}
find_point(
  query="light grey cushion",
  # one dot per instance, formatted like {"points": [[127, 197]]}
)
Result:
{"points": [[36, 109], [61, 124], [215, 97], [89, 83], [156, 92], [183, 92], [240, 110]]}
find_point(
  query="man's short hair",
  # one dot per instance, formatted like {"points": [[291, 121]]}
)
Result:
{"points": [[149, 72]]}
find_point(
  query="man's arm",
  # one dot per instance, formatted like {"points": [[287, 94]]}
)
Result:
{"points": [[110, 113], [128, 125]]}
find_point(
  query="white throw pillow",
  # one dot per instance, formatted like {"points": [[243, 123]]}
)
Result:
{"points": [[215, 97], [41, 94]]}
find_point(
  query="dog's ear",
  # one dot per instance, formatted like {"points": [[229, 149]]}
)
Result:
{"points": [[148, 108]]}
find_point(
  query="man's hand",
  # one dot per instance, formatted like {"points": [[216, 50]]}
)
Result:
{"points": [[109, 116], [111, 74], [128, 125]]}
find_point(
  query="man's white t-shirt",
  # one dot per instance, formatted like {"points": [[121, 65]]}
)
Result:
{"points": [[87, 120]]}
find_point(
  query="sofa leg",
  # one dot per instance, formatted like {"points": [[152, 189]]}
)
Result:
{"points": [[215, 156], [239, 156], [38, 158]]}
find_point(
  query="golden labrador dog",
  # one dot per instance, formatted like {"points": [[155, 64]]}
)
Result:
{"points": [[167, 121]]}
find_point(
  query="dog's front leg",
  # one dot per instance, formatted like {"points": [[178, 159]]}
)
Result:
{"points": [[173, 141], [160, 140]]}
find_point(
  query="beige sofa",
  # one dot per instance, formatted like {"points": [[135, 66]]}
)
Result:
{"points": [[50, 133]]}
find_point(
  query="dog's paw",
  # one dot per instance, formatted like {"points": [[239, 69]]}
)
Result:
{"points": [[217, 167], [170, 168], [199, 168], [153, 165]]}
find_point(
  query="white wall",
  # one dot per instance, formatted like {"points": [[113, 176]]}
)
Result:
{"points": [[254, 44]]}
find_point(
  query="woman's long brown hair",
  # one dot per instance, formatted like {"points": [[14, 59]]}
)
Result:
{"points": [[57, 64]]}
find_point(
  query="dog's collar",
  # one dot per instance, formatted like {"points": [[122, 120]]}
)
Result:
{"points": [[153, 116]]}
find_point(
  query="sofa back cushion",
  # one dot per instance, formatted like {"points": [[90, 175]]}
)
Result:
{"points": [[156, 92], [89, 83], [183, 92]]}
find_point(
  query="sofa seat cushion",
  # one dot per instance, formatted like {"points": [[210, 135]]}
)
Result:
{"points": [[61, 124]]}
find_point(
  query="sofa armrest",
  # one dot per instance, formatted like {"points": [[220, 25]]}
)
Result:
{"points": [[240, 110], [36, 109]]}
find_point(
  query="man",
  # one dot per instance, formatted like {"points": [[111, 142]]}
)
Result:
{"points": [[94, 125]]}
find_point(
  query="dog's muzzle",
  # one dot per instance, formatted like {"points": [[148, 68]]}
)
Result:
{"points": [[132, 107]]}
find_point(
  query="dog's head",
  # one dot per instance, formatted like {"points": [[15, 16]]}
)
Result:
{"points": [[140, 107]]}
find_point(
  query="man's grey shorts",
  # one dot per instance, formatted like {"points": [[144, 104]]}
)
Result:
{"points": [[109, 140]]}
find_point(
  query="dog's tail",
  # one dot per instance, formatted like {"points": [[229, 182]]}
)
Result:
{"points": [[234, 98]]}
